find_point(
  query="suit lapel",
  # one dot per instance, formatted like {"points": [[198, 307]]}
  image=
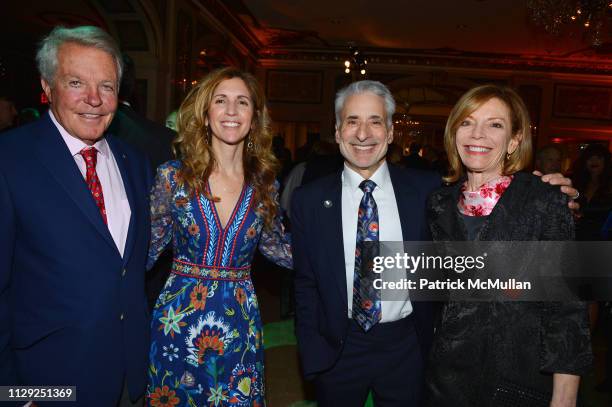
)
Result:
{"points": [[55, 156], [331, 231], [121, 157]]}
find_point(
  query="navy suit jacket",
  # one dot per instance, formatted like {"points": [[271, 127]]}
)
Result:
{"points": [[72, 310], [320, 276]]}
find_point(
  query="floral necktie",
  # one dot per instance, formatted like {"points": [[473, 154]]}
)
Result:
{"points": [[366, 299]]}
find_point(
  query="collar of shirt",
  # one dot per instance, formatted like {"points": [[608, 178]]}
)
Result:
{"points": [[351, 179], [75, 145]]}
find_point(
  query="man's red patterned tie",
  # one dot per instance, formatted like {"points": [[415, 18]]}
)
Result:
{"points": [[93, 182]]}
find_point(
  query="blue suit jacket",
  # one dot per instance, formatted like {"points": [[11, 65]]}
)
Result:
{"points": [[63, 284], [320, 276]]}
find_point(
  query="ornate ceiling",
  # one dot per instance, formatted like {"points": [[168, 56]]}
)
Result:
{"points": [[499, 29]]}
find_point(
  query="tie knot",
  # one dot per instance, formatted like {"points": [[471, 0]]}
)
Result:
{"points": [[367, 186], [89, 154]]}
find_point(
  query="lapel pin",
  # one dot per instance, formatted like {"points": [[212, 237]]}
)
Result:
{"points": [[327, 203], [124, 156]]}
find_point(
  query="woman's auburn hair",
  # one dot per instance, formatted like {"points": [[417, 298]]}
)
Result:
{"points": [[471, 101], [192, 144]]}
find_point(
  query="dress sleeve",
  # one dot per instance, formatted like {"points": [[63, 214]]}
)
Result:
{"points": [[161, 214], [275, 243], [565, 334]]}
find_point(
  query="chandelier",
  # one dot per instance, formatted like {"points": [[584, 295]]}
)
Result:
{"points": [[356, 62], [554, 16]]}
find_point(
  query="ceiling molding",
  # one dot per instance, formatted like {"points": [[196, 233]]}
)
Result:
{"points": [[225, 22], [442, 59]]}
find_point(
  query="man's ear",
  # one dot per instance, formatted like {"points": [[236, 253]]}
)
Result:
{"points": [[390, 135], [47, 89], [337, 135]]}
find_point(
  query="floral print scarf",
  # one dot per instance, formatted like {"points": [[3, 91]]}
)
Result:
{"points": [[482, 201]]}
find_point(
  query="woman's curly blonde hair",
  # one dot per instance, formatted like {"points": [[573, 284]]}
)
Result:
{"points": [[192, 145]]}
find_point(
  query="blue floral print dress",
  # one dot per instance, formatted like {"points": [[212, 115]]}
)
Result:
{"points": [[206, 332]]}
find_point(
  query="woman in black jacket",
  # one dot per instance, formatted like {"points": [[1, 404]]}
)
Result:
{"points": [[502, 353]]}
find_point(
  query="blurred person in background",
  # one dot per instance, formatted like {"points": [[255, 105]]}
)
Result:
{"points": [[324, 159], [8, 113], [549, 159], [303, 152], [414, 159], [436, 159], [28, 115], [283, 155], [133, 127], [171, 120], [592, 174], [395, 155]]}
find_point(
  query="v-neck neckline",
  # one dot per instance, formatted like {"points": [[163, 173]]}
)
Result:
{"points": [[230, 220]]}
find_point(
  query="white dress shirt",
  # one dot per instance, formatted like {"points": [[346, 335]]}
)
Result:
{"points": [[390, 230], [116, 203]]}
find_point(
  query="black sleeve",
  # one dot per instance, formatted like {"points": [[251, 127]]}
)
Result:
{"points": [[565, 334]]}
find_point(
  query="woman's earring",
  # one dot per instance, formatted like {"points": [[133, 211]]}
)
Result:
{"points": [[250, 144], [208, 138]]}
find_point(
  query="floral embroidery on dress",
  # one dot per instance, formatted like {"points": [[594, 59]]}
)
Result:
{"points": [[206, 331]]}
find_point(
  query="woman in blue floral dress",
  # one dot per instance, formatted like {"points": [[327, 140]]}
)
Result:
{"points": [[217, 204]]}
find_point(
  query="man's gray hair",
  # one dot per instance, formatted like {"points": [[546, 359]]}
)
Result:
{"points": [[88, 36], [374, 87]]}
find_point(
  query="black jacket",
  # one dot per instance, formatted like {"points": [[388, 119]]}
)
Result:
{"points": [[482, 347]]}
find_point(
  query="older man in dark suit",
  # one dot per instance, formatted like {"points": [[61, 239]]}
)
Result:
{"points": [[350, 340], [74, 233]]}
